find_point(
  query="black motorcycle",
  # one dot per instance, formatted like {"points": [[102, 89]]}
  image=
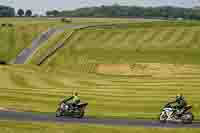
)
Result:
{"points": [[170, 114], [71, 110]]}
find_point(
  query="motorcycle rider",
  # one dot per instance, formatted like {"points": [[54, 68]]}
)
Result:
{"points": [[75, 100], [180, 104]]}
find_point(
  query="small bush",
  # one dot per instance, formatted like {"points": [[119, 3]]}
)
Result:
{"points": [[3, 25], [65, 20], [2, 62], [7, 25], [10, 25]]}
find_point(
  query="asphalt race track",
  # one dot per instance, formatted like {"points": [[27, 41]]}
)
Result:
{"points": [[26, 116]]}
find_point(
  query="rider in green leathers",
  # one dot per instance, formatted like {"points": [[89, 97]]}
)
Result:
{"points": [[180, 104], [74, 100]]}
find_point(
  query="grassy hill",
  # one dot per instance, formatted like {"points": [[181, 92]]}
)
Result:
{"points": [[127, 71], [14, 39], [158, 42], [24, 30], [133, 96], [133, 69]]}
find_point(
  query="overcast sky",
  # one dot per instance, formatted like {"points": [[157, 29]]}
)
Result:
{"points": [[40, 6]]}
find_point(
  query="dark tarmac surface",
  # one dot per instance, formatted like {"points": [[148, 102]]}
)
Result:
{"points": [[25, 116]]}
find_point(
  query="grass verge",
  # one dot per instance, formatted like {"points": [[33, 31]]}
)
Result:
{"points": [[52, 42], [40, 89]]}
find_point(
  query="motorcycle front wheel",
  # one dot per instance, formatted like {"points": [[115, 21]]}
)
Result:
{"points": [[58, 113], [163, 117]]}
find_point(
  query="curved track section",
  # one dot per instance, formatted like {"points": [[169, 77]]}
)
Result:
{"points": [[25, 116], [37, 42], [27, 52]]}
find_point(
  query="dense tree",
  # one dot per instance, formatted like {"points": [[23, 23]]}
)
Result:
{"points": [[54, 13], [28, 13], [20, 12], [2, 62], [35, 15], [166, 12]]}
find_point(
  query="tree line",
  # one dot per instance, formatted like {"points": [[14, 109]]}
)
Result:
{"points": [[6, 11], [130, 11], [27, 13]]}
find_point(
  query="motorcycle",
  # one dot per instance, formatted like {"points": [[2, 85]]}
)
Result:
{"points": [[70, 110], [170, 114]]}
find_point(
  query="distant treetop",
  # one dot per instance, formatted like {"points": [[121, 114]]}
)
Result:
{"points": [[28, 13], [20, 12], [168, 12]]}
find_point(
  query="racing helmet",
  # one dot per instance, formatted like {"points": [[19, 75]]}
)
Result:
{"points": [[75, 93], [179, 97]]}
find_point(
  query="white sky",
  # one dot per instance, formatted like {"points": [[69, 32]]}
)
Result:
{"points": [[40, 6]]}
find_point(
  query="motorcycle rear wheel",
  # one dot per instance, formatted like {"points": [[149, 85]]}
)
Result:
{"points": [[80, 115], [187, 118]]}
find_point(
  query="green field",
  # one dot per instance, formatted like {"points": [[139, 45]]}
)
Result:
{"points": [[31, 21], [75, 20], [133, 96], [127, 71], [157, 42], [24, 30], [14, 39], [133, 69]]}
